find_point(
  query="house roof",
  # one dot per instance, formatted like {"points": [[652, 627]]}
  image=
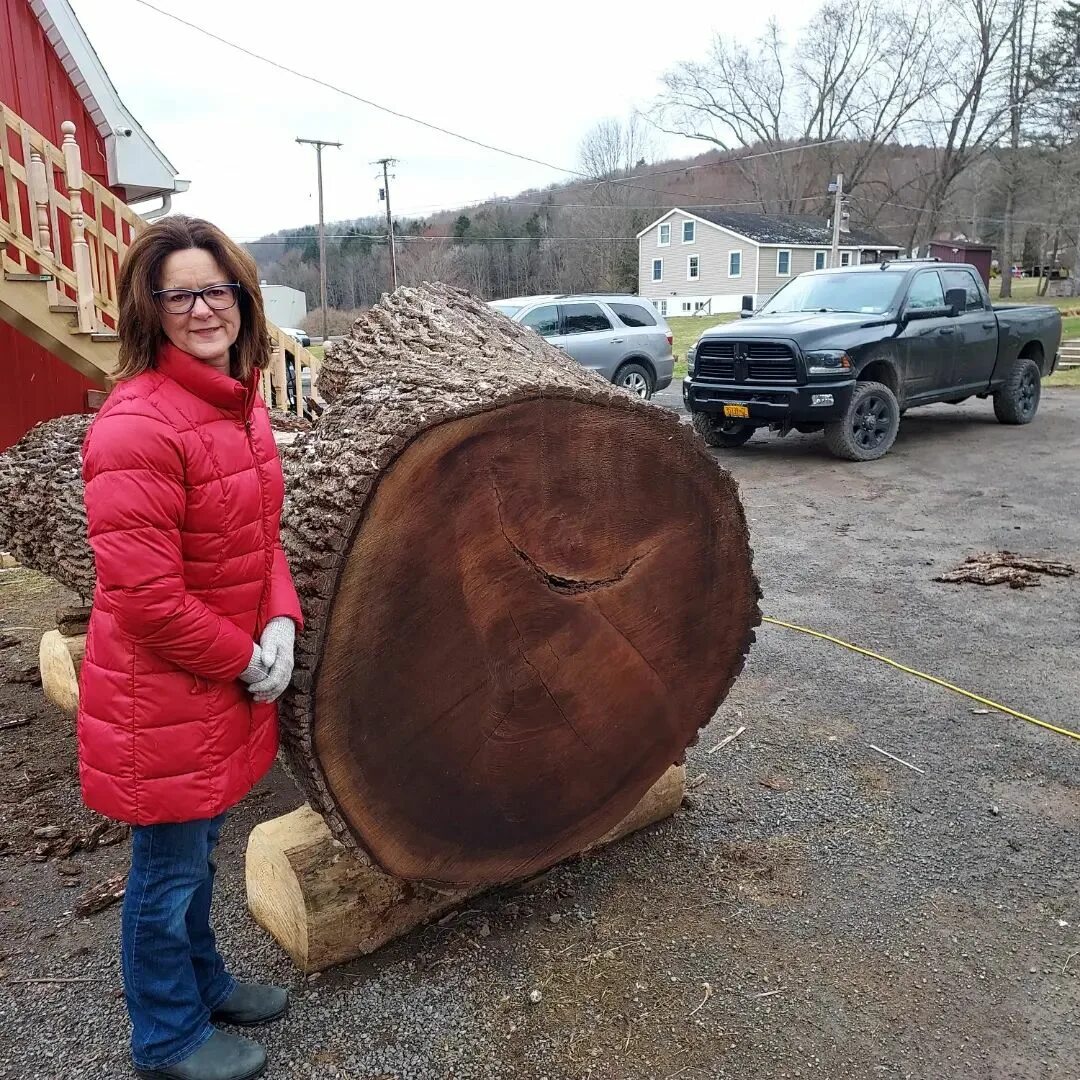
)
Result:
{"points": [[772, 229], [135, 162]]}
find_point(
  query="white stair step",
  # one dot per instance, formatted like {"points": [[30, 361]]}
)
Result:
{"points": [[40, 278]]}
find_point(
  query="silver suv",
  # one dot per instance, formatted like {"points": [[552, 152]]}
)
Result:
{"points": [[620, 337]]}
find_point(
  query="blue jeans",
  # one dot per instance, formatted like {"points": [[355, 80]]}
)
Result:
{"points": [[174, 976]]}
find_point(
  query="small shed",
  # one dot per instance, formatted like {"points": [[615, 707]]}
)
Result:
{"points": [[961, 251]]}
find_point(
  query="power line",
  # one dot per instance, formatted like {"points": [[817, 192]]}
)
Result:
{"points": [[356, 97], [627, 181]]}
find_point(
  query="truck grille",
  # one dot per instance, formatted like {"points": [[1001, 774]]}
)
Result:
{"points": [[746, 361]]}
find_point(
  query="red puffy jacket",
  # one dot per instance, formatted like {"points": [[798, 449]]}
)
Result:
{"points": [[183, 503]]}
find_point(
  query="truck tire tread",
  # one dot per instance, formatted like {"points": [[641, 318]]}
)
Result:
{"points": [[1017, 401], [840, 436]]}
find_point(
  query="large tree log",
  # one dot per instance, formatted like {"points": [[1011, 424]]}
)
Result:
{"points": [[524, 590]]}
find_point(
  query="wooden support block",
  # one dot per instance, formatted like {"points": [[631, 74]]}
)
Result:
{"points": [[326, 904], [59, 660], [71, 621]]}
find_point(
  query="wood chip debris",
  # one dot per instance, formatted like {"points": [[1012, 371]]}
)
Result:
{"points": [[914, 768], [707, 987], [726, 740], [1006, 568], [101, 896], [30, 675], [9, 722]]}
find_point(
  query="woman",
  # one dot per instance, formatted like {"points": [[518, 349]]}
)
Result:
{"points": [[191, 635]]}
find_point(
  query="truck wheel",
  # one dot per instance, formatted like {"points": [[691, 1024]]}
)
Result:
{"points": [[869, 426], [1018, 400], [723, 433]]}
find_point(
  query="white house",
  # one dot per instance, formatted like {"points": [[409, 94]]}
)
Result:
{"points": [[706, 261]]}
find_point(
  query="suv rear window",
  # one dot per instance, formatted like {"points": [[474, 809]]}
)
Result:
{"points": [[633, 314]]}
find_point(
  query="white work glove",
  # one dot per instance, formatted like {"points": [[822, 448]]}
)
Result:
{"points": [[276, 644], [257, 669]]}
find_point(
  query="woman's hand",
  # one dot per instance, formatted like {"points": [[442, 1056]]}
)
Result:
{"points": [[257, 669], [276, 645]]}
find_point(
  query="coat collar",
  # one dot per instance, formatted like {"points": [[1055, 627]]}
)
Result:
{"points": [[205, 382]]}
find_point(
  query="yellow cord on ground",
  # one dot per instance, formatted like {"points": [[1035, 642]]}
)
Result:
{"points": [[923, 675]]}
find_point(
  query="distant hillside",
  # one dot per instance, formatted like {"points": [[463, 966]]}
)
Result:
{"points": [[577, 236]]}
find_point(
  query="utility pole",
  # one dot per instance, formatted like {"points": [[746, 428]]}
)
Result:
{"points": [[837, 189], [386, 162], [319, 144]]}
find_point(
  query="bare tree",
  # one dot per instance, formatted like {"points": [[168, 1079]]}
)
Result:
{"points": [[852, 82], [969, 113], [613, 149]]}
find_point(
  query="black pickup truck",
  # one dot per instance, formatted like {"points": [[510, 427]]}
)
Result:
{"points": [[848, 351]]}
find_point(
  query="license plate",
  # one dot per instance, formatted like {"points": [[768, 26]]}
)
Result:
{"points": [[739, 412]]}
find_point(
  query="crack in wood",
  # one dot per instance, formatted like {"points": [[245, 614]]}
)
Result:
{"points": [[564, 585]]}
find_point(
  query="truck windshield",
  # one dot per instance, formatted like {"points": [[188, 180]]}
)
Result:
{"points": [[866, 293]]}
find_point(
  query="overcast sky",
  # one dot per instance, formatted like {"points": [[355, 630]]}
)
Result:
{"points": [[530, 78]]}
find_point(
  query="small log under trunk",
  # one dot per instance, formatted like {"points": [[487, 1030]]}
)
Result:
{"points": [[59, 659], [325, 904]]}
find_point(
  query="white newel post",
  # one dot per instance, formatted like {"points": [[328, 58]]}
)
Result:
{"points": [[80, 249], [39, 192]]}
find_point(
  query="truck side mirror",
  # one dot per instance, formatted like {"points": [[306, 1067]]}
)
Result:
{"points": [[747, 307], [956, 301]]}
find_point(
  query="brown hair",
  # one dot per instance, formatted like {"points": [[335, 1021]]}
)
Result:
{"points": [[141, 335]]}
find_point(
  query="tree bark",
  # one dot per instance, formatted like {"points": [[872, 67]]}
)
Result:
{"points": [[524, 591]]}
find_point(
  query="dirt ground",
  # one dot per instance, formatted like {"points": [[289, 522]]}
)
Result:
{"points": [[816, 910]]}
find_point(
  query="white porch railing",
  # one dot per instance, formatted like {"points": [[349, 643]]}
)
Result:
{"points": [[59, 223]]}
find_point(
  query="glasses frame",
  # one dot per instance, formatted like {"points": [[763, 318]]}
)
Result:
{"points": [[233, 286]]}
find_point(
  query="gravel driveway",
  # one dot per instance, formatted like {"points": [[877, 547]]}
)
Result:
{"points": [[817, 910]]}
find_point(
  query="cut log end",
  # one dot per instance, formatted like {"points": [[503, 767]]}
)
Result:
{"points": [[59, 660], [516, 647], [325, 904]]}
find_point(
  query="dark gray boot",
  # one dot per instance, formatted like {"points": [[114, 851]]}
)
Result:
{"points": [[251, 1003], [221, 1057]]}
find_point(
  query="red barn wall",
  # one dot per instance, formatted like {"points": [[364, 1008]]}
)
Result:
{"points": [[34, 84], [38, 386]]}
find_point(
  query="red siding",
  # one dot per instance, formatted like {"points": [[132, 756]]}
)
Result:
{"points": [[39, 386], [34, 83]]}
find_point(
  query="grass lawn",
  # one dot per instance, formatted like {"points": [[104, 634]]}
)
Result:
{"points": [[1064, 377], [316, 351]]}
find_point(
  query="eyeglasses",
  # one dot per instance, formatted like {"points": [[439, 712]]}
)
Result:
{"points": [[181, 301]]}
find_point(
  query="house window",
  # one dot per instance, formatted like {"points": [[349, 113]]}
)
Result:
{"points": [[688, 232], [821, 259], [662, 305], [700, 305], [845, 258], [693, 268], [783, 264], [686, 305], [734, 264], [658, 269], [663, 235]]}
